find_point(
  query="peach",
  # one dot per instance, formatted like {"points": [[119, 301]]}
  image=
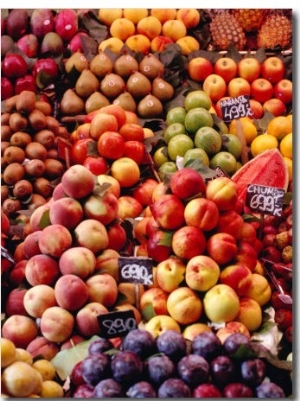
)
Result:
{"points": [[248, 233], [202, 273], [170, 273], [230, 222], [168, 212], [102, 288], [91, 234], [58, 192], [79, 261], [122, 28], [188, 44], [126, 171], [109, 184], [144, 191], [36, 216], [221, 304], [71, 292], [246, 255], [192, 330], [188, 242], [163, 14], [54, 240], [159, 245], [222, 247], [259, 290], [222, 191], [129, 207], [19, 329], [113, 44], [189, 16], [138, 43], [77, 181], [149, 26], [66, 211], [57, 324], [39, 298], [238, 277], [186, 183], [41, 269], [86, 319], [202, 213], [131, 292], [174, 29], [17, 273], [103, 208], [41, 346], [161, 323], [250, 314], [117, 236], [231, 327], [31, 244], [159, 43], [9, 353], [153, 302], [107, 262], [14, 302], [184, 305]]}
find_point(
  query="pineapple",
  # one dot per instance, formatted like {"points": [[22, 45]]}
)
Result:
{"points": [[250, 19], [226, 30], [276, 30]]}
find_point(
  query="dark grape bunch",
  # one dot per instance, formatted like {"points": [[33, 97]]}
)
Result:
{"points": [[171, 367]]}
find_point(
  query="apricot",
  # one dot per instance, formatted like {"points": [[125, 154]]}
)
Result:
{"points": [[8, 352], [108, 15], [139, 43], [46, 369], [174, 29], [163, 14], [113, 44], [149, 26], [122, 28], [188, 44], [135, 14], [189, 16]]}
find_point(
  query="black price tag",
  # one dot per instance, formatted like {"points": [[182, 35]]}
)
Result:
{"points": [[136, 270], [235, 107], [117, 323], [264, 199], [220, 172]]}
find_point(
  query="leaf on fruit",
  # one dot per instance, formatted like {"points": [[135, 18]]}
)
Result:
{"points": [[206, 172], [264, 121], [43, 79], [166, 239], [45, 220], [243, 352], [233, 53], [148, 312], [262, 352], [65, 360], [250, 218]]}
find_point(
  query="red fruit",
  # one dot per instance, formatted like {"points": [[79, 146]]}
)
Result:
{"points": [[271, 253], [75, 44], [96, 164], [7, 88], [27, 82], [66, 24], [46, 65], [41, 22], [17, 23], [288, 334], [14, 65], [81, 149], [277, 303], [283, 318], [28, 44]]}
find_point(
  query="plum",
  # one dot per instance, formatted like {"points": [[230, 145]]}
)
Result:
{"points": [[253, 371], [206, 390], [172, 344], [207, 345], [141, 389], [141, 342], [174, 388], [223, 370], [233, 342], [193, 369], [108, 388], [95, 368], [17, 23], [42, 22], [76, 375], [100, 345], [159, 368], [237, 390], [269, 390], [83, 391], [127, 367]]}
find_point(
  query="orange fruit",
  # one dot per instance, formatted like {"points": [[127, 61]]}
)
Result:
{"points": [[289, 164], [249, 128], [286, 146], [279, 127], [263, 142]]}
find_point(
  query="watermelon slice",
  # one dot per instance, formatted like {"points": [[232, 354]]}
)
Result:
{"points": [[267, 168]]}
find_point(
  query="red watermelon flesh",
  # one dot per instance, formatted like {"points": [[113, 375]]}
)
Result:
{"points": [[267, 168]]}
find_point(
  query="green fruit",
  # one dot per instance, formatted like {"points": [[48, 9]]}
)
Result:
{"points": [[225, 160], [167, 167], [197, 98], [160, 156], [197, 118], [232, 144], [178, 145], [209, 139], [176, 115], [172, 130], [196, 154]]}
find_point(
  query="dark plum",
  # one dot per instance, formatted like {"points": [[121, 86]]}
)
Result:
{"points": [[193, 370], [76, 375], [223, 370], [159, 368], [95, 368], [207, 345], [206, 390], [234, 341], [108, 388], [269, 390], [174, 388], [83, 391], [141, 389], [100, 345], [253, 371], [141, 342], [127, 367], [237, 390], [172, 344], [17, 23]]}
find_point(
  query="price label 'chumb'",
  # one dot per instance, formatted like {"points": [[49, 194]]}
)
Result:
{"points": [[264, 199], [235, 107], [117, 323], [136, 270]]}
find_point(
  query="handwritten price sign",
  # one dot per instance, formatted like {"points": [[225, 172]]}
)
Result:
{"points": [[265, 199], [136, 270], [117, 323], [235, 107]]}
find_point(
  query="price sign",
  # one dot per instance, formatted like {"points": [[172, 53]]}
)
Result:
{"points": [[265, 199], [136, 270], [117, 323], [235, 107]]}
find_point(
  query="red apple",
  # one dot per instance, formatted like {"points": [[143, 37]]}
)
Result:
{"points": [[238, 86], [283, 90], [144, 191], [226, 67], [135, 150], [7, 88], [96, 164], [215, 86], [128, 207], [186, 183], [275, 106], [273, 69], [248, 68], [103, 208], [188, 242], [168, 212], [81, 149], [28, 44], [66, 24], [14, 66], [261, 90], [199, 68], [46, 66], [222, 247], [117, 236]]}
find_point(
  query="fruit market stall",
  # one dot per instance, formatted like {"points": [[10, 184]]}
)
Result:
{"points": [[146, 203]]}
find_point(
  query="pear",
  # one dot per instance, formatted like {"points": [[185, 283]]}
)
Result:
{"points": [[86, 84], [151, 66], [125, 65], [150, 106], [126, 101], [95, 101], [78, 61], [138, 85], [112, 85], [101, 65], [71, 104], [162, 89]]}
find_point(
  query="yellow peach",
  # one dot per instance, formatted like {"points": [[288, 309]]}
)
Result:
{"points": [[260, 289], [46, 369], [189, 16], [174, 29], [149, 26], [113, 44], [51, 389], [8, 352], [250, 314], [188, 44], [139, 43], [24, 356]]}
